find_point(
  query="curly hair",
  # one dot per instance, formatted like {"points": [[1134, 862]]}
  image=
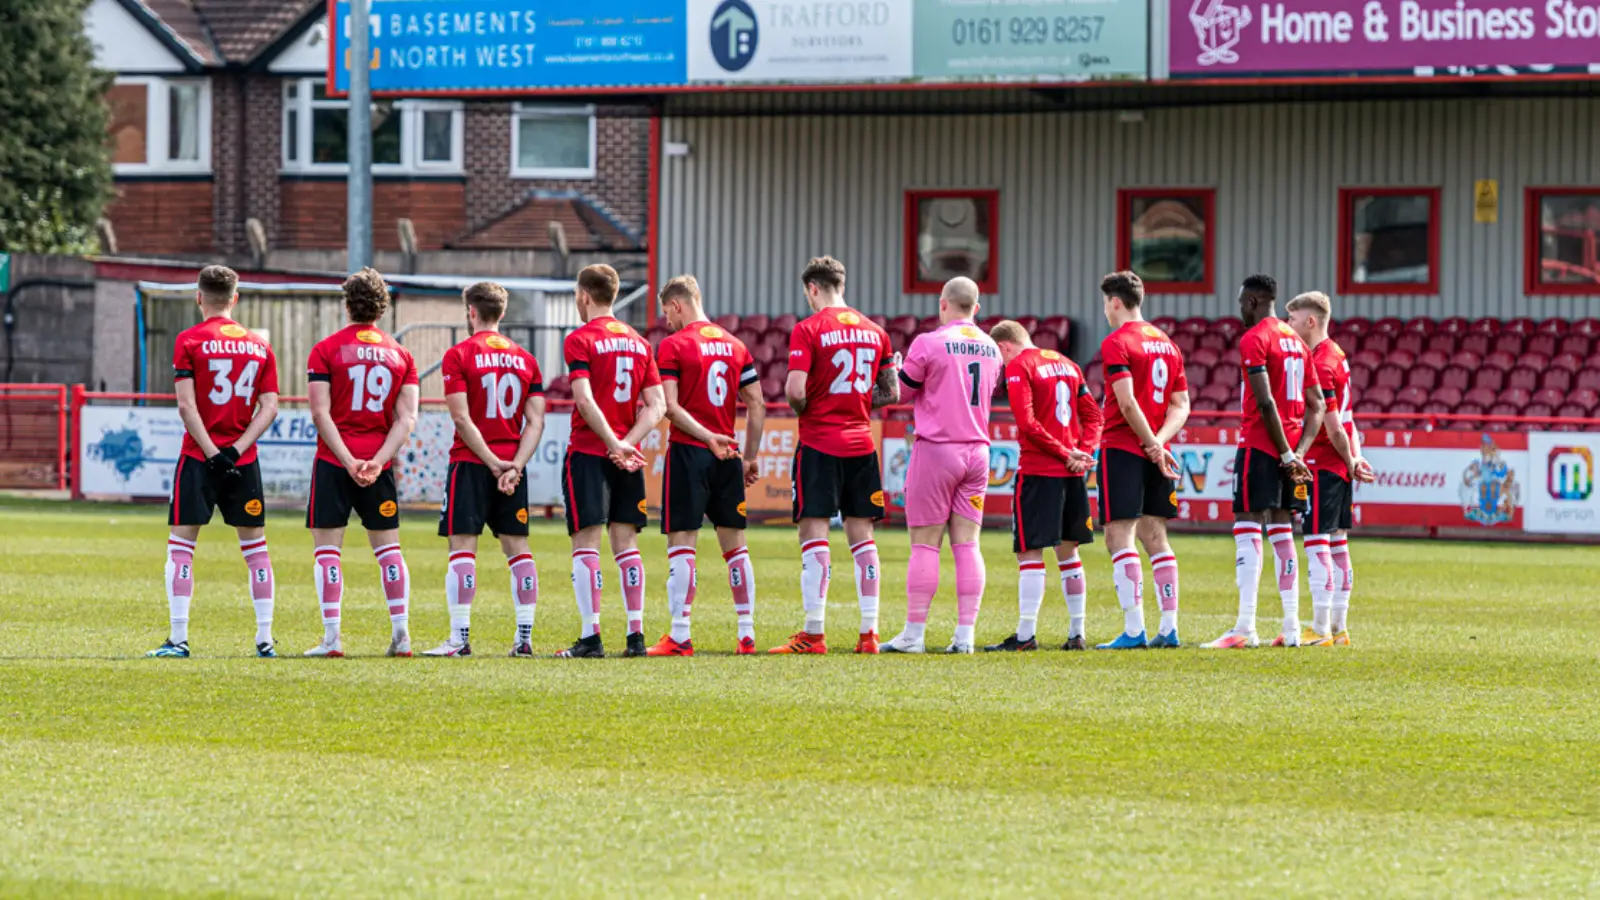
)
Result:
{"points": [[366, 297]]}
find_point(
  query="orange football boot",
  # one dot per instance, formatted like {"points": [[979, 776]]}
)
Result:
{"points": [[669, 647], [867, 643], [802, 642]]}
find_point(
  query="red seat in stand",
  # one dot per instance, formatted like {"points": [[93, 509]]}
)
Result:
{"points": [[560, 388], [1166, 323], [1556, 379], [1549, 398], [1523, 326], [1391, 377], [1466, 359], [1516, 396], [1412, 396], [1449, 396], [1553, 326], [1409, 342], [1433, 359], [1571, 362], [1489, 378], [1590, 379], [1401, 359], [1356, 325], [1482, 397], [1217, 397], [1523, 378], [1457, 377], [1534, 360], [1576, 344], [1370, 359], [1199, 376], [1422, 377], [1572, 411], [1475, 343], [1423, 327], [759, 322], [1486, 325], [1376, 399], [1229, 327], [1587, 327], [1544, 344], [1455, 325], [784, 323], [1389, 325], [1501, 359], [1444, 343], [1206, 357], [728, 321], [1585, 397], [1360, 377]]}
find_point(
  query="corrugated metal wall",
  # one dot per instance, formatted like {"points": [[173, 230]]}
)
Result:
{"points": [[758, 196]]}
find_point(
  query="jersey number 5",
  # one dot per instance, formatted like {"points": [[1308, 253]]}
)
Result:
{"points": [[624, 389], [855, 371]]}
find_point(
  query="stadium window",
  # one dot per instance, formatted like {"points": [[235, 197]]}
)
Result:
{"points": [[1389, 240], [1165, 236], [408, 136], [160, 126], [552, 141], [951, 233], [1562, 255]]}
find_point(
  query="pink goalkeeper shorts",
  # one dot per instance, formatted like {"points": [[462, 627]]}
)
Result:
{"points": [[945, 480]]}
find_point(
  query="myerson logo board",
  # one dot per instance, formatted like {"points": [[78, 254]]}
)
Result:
{"points": [[1566, 502], [756, 40]]}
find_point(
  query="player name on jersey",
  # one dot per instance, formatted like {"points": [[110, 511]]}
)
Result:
{"points": [[716, 348], [234, 348], [499, 361], [1160, 348], [621, 345], [972, 348], [848, 336], [1056, 370], [383, 355]]}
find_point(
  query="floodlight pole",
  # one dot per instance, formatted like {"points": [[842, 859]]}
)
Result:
{"points": [[359, 205]]}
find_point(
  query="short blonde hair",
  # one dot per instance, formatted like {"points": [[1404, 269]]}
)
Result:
{"points": [[1012, 331], [684, 287], [1315, 302]]}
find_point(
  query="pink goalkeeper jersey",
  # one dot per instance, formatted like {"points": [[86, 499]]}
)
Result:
{"points": [[949, 376]]}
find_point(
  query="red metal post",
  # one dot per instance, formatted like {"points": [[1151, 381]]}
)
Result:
{"points": [[77, 432]]}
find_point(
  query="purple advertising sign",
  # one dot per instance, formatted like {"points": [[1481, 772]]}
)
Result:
{"points": [[1236, 38]]}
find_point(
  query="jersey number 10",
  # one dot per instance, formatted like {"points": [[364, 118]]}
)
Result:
{"points": [[501, 395]]}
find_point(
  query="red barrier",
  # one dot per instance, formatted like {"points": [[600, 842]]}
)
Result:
{"points": [[33, 436]]}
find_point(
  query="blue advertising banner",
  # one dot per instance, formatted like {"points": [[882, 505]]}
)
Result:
{"points": [[466, 46]]}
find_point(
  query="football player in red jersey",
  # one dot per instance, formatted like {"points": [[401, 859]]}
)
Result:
{"points": [[601, 480], [1335, 461], [1058, 425], [496, 398], [1282, 411], [1146, 405], [226, 379], [364, 394], [840, 369], [705, 371]]}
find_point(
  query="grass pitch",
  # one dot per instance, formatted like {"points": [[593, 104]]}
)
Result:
{"points": [[1452, 751]]}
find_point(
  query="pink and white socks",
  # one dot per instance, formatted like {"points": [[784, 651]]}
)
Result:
{"points": [[742, 584], [586, 582], [180, 586]]}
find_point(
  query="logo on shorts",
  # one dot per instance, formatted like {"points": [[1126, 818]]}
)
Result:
{"points": [[369, 337], [497, 342], [1089, 522], [849, 319], [522, 515], [234, 331], [253, 507], [977, 502], [877, 498], [616, 327], [1300, 492], [1174, 498], [1049, 354], [741, 507], [642, 507], [711, 331], [387, 509]]}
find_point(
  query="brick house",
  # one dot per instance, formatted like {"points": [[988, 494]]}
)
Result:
{"points": [[219, 117]]}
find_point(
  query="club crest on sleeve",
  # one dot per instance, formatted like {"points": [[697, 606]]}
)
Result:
{"points": [[849, 319], [616, 328], [522, 515], [234, 331], [387, 508], [711, 331], [369, 337], [252, 507], [497, 342]]}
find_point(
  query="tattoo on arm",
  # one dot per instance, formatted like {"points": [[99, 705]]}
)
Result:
{"points": [[886, 391]]}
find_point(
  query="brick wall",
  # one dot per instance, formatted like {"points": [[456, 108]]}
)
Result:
{"points": [[622, 170], [166, 218], [312, 212]]}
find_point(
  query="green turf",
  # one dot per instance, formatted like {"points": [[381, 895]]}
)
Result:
{"points": [[1452, 751]]}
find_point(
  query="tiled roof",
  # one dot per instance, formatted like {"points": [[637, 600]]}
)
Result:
{"points": [[242, 28], [527, 227], [183, 23]]}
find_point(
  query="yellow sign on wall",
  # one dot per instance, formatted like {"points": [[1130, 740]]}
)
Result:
{"points": [[1486, 201]]}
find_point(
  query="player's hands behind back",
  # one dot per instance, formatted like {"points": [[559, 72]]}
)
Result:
{"points": [[752, 472], [722, 447], [1299, 472], [626, 457], [1166, 462], [1361, 471], [510, 476]]}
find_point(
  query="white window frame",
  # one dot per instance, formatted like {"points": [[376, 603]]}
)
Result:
{"points": [[532, 110], [158, 97], [411, 136]]}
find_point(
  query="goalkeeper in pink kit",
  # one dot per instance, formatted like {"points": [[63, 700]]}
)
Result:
{"points": [[949, 375]]}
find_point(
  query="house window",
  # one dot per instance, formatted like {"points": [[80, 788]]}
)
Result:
{"points": [[160, 126], [552, 141], [1165, 236], [951, 233], [1389, 240], [408, 136], [1563, 241]]}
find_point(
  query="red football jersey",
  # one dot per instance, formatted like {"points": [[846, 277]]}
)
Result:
{"points": [[1055, 411], [231, 367], [365, 370], [710, 366], [618, 365], [1333, 373], [1144, 353], [841, 351], [498, 377], [1273, 347]]}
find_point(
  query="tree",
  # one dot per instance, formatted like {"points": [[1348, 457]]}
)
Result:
{"points": [[55, 170]]}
